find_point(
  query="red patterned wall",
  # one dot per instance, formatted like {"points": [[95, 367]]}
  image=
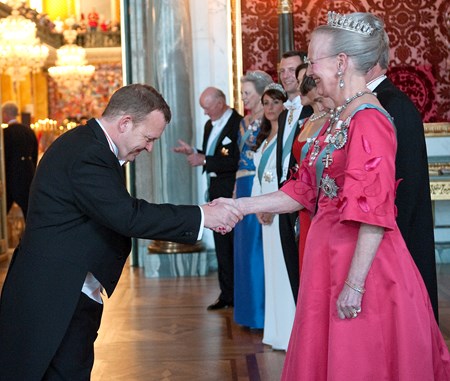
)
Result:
{"points": [[418, 30]]}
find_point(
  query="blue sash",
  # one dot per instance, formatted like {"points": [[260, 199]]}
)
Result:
{"points": [[287, 148], [213, 145], [305, 147], [247, 133], [244, 139], [210, 152], [265, 158]]}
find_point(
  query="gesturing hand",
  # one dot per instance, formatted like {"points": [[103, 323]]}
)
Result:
{"points": [[183, 148], [196, 159]]}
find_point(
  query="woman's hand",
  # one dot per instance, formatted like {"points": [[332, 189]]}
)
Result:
{"points": [[265, 218], [349, 303]]}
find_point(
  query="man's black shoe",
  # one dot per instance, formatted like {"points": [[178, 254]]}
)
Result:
{"points": [[218, 305]]}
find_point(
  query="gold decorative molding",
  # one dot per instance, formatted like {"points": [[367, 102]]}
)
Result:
{"points": [[167, 247], [438, 168], [437, 129], [440, 190], [236, 47], [284, 6]]}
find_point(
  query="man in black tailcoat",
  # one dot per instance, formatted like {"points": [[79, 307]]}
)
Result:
{"points": [[413, 201], [78, 236], [219, 157], [288, 130], [21, 154]]}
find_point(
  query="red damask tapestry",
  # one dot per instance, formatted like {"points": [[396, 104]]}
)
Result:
{"points": [[418, 31]]}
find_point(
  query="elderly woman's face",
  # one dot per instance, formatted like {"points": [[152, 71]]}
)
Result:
{"points": [[250, 96], [322, 66]]}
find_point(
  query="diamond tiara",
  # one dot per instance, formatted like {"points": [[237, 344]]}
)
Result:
{"points": [[258, 75], [336, 20], [275, 86]]}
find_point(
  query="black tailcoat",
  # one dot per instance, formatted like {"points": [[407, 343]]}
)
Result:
{"points": [[80, 219], [413, 200], [21, 153], [289, 242], [224, 163]]}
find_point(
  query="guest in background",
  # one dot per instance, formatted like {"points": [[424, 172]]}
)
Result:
{"points": [[248, 254], [413, 200], [93, 18], [309, 129], [279, 301], [288, 129], [219, 159], [21, 154]]}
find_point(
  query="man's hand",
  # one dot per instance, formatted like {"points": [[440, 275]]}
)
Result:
{"points": [[221, 216], [183, 148], [196, 159]]}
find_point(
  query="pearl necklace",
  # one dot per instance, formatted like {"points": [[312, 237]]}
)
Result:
{"points": [[336, 113], [315, 117], [339, 138]]}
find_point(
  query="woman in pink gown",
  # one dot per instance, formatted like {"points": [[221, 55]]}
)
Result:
{"points": [[363, 311]]}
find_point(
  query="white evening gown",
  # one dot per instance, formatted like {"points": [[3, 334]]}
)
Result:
{"points": [[279, 302]]}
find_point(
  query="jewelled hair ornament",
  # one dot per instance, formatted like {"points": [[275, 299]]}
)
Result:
{"points": [[275, 86], [336, 20], [258, 75]]}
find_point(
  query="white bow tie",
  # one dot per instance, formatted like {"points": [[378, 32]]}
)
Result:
{"points": [[294, 104]]}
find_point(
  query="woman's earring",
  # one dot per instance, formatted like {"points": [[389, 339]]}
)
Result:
{"points": [[340, 74]]}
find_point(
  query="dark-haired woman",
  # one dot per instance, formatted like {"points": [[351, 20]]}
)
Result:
{"points": [[279, 301], [308, 133]]}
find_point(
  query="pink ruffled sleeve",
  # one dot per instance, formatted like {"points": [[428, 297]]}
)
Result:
{"points": [[302, 188], [368, 193]]}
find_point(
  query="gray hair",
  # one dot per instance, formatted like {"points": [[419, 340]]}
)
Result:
{"points": [[10, 108], [365, 50], [259, 78]]}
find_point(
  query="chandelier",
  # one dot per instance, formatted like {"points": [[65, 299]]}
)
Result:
{"points": [[21, 52], [71, 71]]}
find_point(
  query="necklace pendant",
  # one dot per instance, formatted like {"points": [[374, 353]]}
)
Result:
{"points": [[329, 187], [327, 160], [340, 139], [314, 153]]}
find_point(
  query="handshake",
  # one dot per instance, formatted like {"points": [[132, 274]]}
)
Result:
{"points": [[222, 214]]}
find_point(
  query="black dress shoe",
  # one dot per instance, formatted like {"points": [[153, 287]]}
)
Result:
{"points": [[219, 304]]}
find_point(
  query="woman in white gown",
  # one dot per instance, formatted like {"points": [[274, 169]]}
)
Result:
{"points": [[280, 305]]}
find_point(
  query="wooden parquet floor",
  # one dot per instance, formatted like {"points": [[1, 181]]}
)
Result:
{"points": [[159, 330]]}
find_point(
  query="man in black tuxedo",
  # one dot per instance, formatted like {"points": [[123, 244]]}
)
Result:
{"points": [[21, 154], [413, 201], [288, 130], [219, 157], [77, 238]]}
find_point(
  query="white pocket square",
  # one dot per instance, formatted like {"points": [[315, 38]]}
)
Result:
{"points": [[226, 141]]}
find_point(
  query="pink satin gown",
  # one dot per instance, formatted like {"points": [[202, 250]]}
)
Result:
{"points": [[395, 337]]}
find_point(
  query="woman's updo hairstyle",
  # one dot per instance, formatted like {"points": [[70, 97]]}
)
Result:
{"points": [[359, 35]]}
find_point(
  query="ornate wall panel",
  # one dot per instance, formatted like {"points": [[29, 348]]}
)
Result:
{"points": [[418, 30]]}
